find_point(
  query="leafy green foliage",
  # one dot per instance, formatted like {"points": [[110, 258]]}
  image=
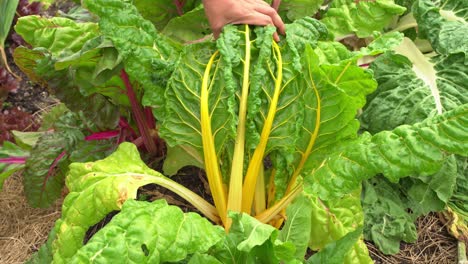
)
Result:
{"points": [[346, 17], [159, 240], [335, 251], [417, 149]]}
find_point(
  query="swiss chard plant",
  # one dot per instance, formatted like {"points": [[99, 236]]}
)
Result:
{"points": [[274, 125]]}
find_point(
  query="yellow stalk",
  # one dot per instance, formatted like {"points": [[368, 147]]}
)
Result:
{"points": [[235, 184], [257, 159], [211, 160], [260, 194], [201, 204], [280, 206]]}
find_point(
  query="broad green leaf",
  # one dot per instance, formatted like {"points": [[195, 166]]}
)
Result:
{"points": [[153, 238], [182, 126], [407, 150], [296, 9], [15, 154], [192, 26], [61, 36], [180, 156], [148, 56], [250, 241], [459, 200], [162, 12], [346, 17], [96, 189], [335, 252], [333, 219], [444, 24], [298, 224], [413, 88]]}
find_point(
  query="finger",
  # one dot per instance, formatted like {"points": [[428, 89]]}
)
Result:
{"points": [[276, 19], [276, 37], [256, 18]]}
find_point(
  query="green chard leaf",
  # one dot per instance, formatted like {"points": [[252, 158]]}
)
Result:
{"points": [[444, 24], [250, 241], [332, 220], [191, 26], [298, 224], [163, 12], [61, 36], [414, 88], [158, 240], [335, 252], [362, 18], [49, 65], [387, 220], [148, 56], [407, 150], [297, 9], [98, 188]]}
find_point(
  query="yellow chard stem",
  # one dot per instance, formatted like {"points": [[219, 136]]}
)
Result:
{"points": [[260, 193], [272, 212], [235, 184], [257, 159], [211, 160]]}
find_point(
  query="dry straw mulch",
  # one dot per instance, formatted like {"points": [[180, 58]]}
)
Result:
{"points": [[23, 229]]}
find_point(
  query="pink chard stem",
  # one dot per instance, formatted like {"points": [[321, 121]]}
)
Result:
{"points": [[14, 160], [139, 115]]}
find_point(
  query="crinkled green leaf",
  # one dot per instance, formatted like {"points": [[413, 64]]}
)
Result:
{"points": [[162, 12], [407, 150], [150, 233], [96, 189], [333, 219], [296, 9], [298, 224], [191, 26], [414, 88], [335, 252], [445, 24], [459, 200], [346, 17], [61, 36], [250, 241], [9, 150], [382, 43], [386, 218], [148, 56]]}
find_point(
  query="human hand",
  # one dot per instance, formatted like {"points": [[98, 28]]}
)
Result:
{"points": [[252, 12]]}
